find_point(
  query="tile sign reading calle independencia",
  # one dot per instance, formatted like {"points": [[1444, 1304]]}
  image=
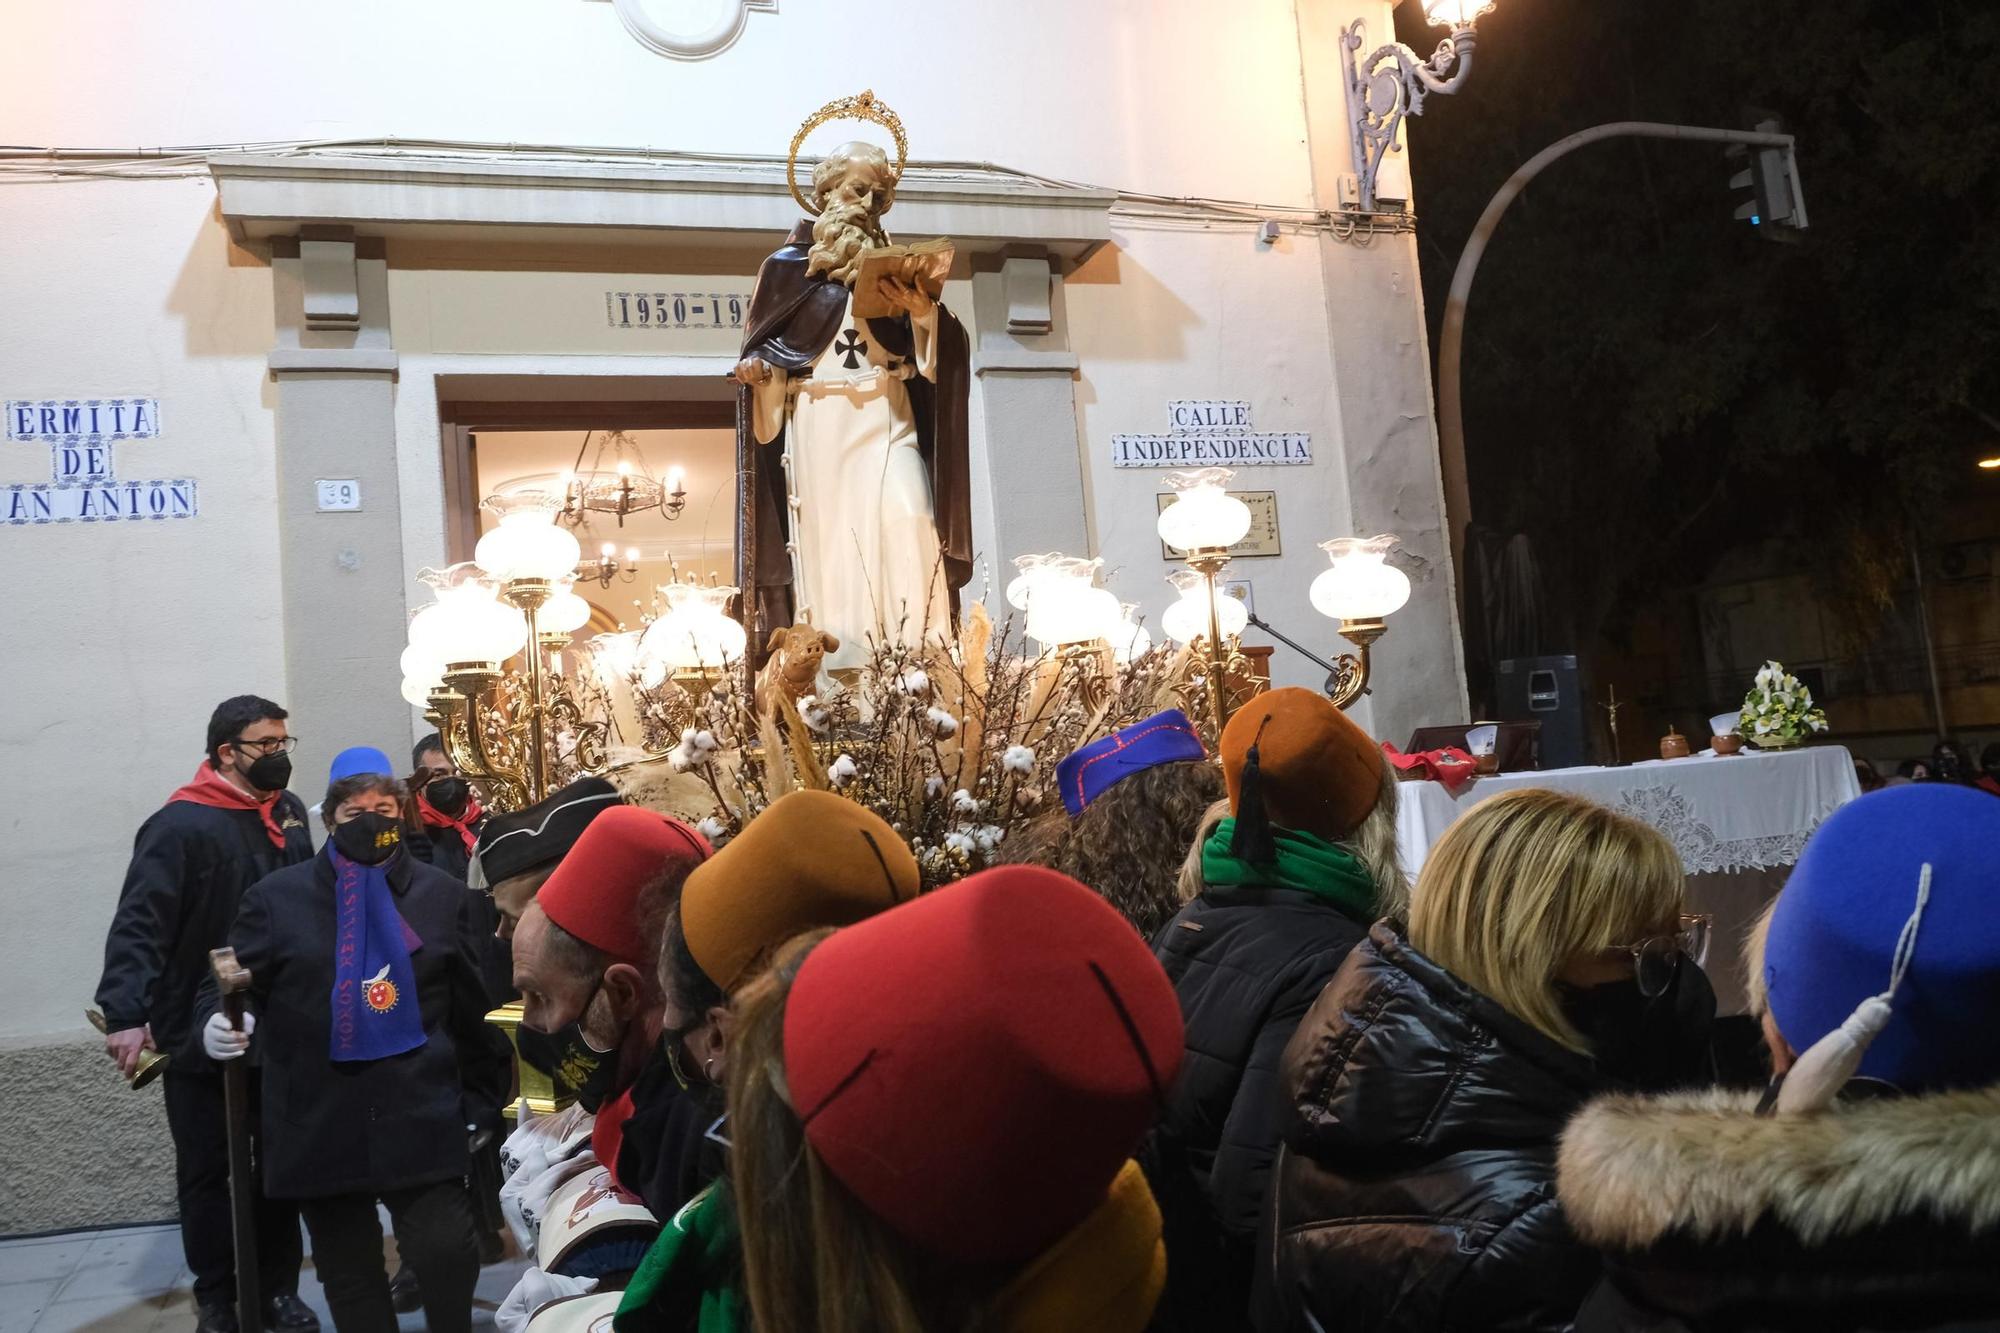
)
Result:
{"points": [[84, 485], [1211, 433]]}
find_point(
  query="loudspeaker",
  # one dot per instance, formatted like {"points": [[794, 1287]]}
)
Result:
{"points": [[1548, 690]]}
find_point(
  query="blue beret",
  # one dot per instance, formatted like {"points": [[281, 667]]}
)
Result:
{"points": [[359, 759], [1163, 738], [1833, 934]]}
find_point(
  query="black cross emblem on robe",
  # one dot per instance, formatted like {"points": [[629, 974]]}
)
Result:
{"points": [[852, 349]]}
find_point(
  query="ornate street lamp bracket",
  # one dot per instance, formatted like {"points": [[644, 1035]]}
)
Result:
{"points": [[1390, 84]]}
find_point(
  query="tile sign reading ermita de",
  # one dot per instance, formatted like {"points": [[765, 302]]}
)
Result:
{"points": [[78, 433], [1210, 433]]}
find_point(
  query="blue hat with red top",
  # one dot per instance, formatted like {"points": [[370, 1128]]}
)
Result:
{"points": [[1163, 738]]}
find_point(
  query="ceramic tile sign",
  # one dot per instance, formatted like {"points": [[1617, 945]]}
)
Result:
{"points": [[53, 420], [127, 501], [84, 485], [1206, 432]]}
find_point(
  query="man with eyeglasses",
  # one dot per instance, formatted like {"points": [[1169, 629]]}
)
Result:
{"points": [[233, 824]]}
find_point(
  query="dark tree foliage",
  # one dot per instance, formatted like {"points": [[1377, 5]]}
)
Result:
{"points": [[1648, 383]]}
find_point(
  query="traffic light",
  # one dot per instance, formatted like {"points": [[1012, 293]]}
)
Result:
{"points": [[1768, 186]]}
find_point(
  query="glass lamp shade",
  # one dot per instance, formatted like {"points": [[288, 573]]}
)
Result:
{"points": [[564, 613], [1032, 570], [421, 667], [1071, 611], [695, 631], [528, 544], [1187, 619], [468, 624], [416, 693], [1203, 516], [1361, 585], [1456, 14], [1130, 640], [618, 658]]}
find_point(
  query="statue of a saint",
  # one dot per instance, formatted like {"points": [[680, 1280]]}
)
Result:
{"points": [[854, 430]]}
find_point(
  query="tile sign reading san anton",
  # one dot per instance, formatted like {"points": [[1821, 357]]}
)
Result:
{"points": [[1206, 432], [79, 434]]}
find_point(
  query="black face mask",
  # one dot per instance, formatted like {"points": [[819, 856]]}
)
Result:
{"points": [[673, 1044], [1654, 1042], [571, 1062], [273, 772], [448, 795], [368, 838]]}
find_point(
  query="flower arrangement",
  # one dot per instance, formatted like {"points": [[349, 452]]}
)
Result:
{"points": [[1779, 710], [954, 743]]}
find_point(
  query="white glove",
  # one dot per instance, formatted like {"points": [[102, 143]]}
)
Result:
{"points": [[223, 1042], [532, 1292], [541, 1140], [524, 1199]]}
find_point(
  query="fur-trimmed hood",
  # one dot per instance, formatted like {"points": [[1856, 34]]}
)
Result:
{"points": [[1704, 1167]]}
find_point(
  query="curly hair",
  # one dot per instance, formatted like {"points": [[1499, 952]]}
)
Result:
{"points": [[1127, 844]]}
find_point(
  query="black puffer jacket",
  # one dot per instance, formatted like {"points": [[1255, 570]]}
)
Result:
{"points": [[1873, 1214], [1247, 964], [1416, 1187]]}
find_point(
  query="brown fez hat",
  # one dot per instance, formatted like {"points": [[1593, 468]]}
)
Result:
{"points": [[1310, 767], [812, 859]]}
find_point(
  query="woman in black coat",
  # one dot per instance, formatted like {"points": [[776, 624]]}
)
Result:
{"points": [[1416, 1186], [362, 1103], [1289, 884]]}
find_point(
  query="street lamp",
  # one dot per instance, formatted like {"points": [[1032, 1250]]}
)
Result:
{"points": [[1393, 82], [1203, 522], [1360, 591]]}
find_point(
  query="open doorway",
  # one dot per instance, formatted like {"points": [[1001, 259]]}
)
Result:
{"points": [[688, 446]]}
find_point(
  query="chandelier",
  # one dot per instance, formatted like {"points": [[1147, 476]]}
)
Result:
{"points": [[626, 487]]}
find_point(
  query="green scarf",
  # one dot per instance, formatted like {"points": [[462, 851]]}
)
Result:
{"points": [[1305, 862], [688, 1278]]}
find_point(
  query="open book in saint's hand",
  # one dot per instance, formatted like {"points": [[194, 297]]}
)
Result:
{"points": [[923, 265]]}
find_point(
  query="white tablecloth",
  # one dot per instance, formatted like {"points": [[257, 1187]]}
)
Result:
{"points": [[1751, 811]]}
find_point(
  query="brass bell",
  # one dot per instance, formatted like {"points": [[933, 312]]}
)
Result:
{"points": [[152, 1064]]}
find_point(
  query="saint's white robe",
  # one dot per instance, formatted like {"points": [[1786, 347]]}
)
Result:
{"points": [[864, 544]]}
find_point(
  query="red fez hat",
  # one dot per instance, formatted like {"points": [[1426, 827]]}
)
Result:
{"points": [[977, 1065], [594, 892]]}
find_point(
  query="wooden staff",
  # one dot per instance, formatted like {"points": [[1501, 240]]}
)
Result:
{"points": [[234, 982]]}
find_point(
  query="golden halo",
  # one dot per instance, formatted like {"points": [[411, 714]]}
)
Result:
{"points": [[861, 107]]}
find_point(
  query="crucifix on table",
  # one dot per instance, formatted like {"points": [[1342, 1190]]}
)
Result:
{"points": [[1611, 707]]}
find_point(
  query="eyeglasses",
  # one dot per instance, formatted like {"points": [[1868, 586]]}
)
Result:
{"points": [[1655, 961], [269, 745]]}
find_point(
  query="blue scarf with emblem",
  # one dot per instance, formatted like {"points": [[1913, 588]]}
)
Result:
{"points": [[375, 1011]]}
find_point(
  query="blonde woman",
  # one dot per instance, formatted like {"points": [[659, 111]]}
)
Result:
{"points": [[1547, 957]]}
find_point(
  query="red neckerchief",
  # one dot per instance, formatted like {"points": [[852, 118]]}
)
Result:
{"points": [[607, 1132], [436, 818], [210, 788]]}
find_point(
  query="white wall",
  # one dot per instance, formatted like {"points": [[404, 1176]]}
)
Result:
{"points": [[121, 637], [124, 636], [1176, 97]]}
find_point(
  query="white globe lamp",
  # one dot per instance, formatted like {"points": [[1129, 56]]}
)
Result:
{"points": [[1203, 517]]}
